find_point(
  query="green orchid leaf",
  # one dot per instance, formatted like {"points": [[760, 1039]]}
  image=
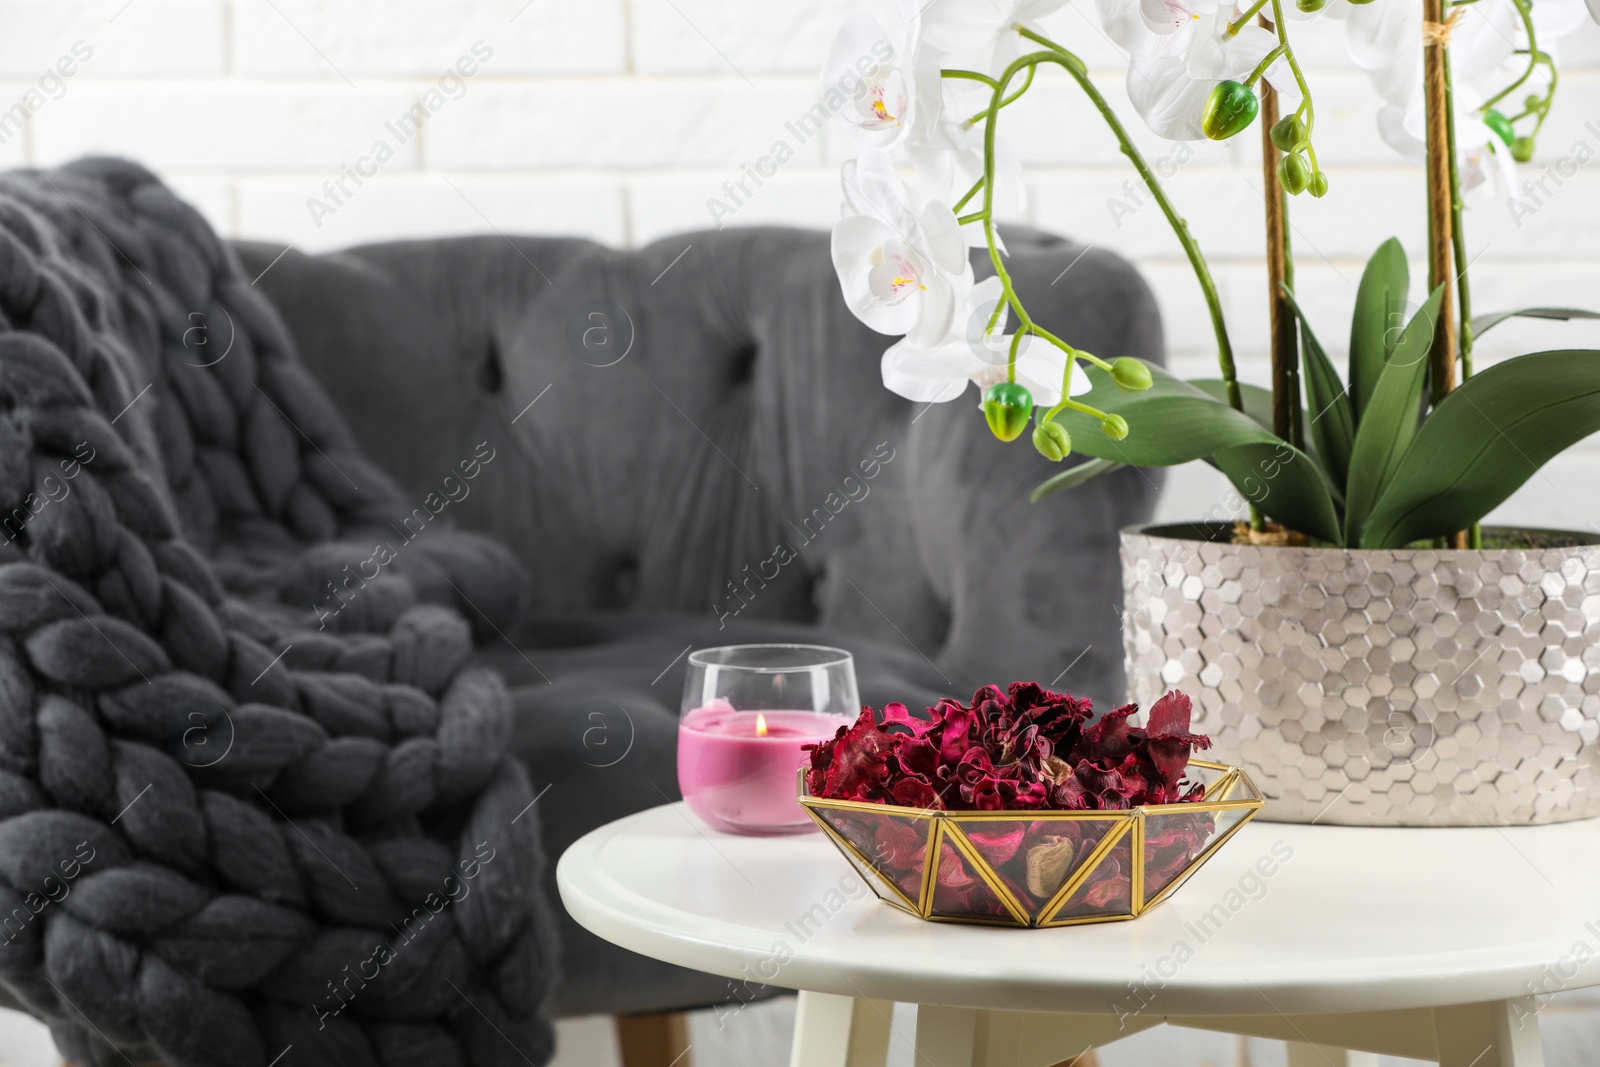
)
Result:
{"points": [[1482, 324], [1332, 422], [1171, 422], [1176, 422], [1285, 484], [1073, 477], [1258, 405], [1257, 401], [1375, 326], [1389, 419], [1485, 440]]}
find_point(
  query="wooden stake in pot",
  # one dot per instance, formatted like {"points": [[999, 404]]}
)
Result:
{"points": [[1285, 353], [1441, 270], [1435, 39]]}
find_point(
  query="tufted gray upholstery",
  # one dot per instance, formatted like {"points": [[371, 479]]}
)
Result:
{"points": [[721, 405]]}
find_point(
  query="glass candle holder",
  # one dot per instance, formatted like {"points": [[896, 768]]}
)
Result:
{"points": [[747, 711]]}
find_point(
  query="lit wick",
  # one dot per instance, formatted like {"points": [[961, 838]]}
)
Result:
{"points": [[761, 725]]}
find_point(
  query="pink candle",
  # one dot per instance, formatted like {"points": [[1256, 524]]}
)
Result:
{"points": [[737, 768]]}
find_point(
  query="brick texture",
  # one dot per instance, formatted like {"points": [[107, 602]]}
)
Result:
{"points": [[625, 120]]}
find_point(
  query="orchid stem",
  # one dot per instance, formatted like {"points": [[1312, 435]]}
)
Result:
{"points": [[1266, 61], [1013, 98], [1534, 55], [1458, 238], [1075, 67], [1243, 20], [1068, 349], [1279, 28], [970, 193], [968, 75]]}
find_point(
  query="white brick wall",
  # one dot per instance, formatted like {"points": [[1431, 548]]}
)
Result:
{"points": [[619, 119]]}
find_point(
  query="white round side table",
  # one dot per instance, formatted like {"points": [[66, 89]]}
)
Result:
{"points": [[1345, 942]]}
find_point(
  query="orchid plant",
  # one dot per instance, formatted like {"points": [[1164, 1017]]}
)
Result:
{"points": [[931, 81]]}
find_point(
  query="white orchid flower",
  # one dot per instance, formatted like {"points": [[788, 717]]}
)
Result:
{"points": [[1484, 159], [1178, 51], [940, 371], [981, 35], [1385, 39], [890, 81], [1170, 16], [902, 266], [950, 162]]}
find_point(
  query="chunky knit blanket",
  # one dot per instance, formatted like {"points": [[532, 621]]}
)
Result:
{"points": [[236, 828]]}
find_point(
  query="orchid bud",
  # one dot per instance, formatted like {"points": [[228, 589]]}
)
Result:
{"points": [[1500, 125], [1294, 173], [1230, 108], [1308, 6], [1007, 407], [1052, 441], [1130, 374], [1114, 426], [1288, 133], [1319, 185], [1522, 149]]}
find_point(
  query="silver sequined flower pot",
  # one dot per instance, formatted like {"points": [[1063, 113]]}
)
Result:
{"points": [[1411, 687]]}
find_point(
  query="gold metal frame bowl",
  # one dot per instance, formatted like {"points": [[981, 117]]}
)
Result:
{"points": [[1036, 868]]}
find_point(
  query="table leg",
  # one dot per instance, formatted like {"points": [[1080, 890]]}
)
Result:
{"points": [[835, 1031], [1500, 1033], [966, 1037], [947, 1037], [1304, 1055]]}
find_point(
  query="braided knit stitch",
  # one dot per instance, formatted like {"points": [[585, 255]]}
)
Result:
{"points": [[211, 848]]}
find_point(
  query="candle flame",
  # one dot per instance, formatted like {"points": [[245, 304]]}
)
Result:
{"points": [[761, 725]]}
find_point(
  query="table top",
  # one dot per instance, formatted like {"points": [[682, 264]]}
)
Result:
{"points": [[1284, 918]]}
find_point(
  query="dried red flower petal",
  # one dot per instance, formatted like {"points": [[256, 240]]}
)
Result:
{"points": [[1111, 738], [1169, 741], [914, 793], [860, 761], [899, 846], [1024, 748]]}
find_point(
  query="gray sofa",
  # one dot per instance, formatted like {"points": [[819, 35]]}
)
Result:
{"points": [[689, 445]]}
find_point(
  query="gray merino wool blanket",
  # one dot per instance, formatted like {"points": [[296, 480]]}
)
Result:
{"points": [[231, 823]]}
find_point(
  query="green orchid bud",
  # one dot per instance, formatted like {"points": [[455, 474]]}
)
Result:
{"points": [[1230, 108], [1007, 407], [1052, 441], [1319, 185], [1532, 101], [1130, 374], [1500, 125], [1294, 173], [1288, 133], [1114, 426], [1308, 6], [1522, 149]]}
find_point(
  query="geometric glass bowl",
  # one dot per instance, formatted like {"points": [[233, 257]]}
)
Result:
{"points": [[1036, 868]]}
